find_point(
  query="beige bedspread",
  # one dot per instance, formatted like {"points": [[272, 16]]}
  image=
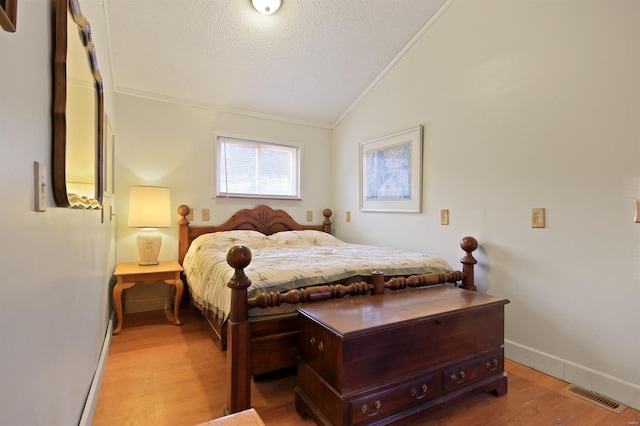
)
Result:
{"points": [[291, 259]]}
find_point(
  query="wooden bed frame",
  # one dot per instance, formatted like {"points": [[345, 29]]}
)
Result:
{"points": [[268, 343], [267, 221]]}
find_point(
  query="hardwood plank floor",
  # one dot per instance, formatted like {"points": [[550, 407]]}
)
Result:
{"points": [[160, 374]]}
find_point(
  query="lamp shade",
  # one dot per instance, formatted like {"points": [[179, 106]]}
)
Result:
{"points": [[149, 207]]}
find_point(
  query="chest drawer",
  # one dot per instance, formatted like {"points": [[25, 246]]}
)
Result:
{"points": [[351, 362], [384, 403], [462, 375]]}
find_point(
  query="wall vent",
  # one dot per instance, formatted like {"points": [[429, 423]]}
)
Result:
{"points": [[596, 398]]}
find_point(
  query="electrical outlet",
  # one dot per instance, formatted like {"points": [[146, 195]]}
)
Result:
{"points": [[190, 216], [444, 217], [309, 216], [537, 218], [206, 215], [40, 187], [636, 219], [348, 216]]}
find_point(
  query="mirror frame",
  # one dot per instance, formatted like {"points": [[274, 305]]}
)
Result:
{"points": [[62, 197]]}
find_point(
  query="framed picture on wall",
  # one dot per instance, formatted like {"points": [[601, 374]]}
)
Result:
{"points": [[391, 172], [8, 10]]}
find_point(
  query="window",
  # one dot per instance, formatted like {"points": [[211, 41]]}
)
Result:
{"points": [[257, 169]]}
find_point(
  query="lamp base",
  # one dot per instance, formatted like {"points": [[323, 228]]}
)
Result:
{"points": [[149, 242]]}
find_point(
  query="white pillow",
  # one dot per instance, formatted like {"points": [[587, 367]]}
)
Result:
{"points": [[224, 240], [301, 238]]}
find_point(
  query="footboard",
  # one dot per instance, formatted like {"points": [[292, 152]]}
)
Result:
{"points": [[238, 327]]}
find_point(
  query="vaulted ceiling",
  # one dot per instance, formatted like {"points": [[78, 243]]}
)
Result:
{"points": [[309, 62]]}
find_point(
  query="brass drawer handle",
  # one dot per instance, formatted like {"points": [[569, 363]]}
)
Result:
{"points": [[414, 392], [457, 379], [491, 366], [321, 347], [312, 340], [376, 405]]}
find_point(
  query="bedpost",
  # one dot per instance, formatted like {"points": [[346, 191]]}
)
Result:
{"points": [[377, 277], [468, 244], [238, 333], [327, 222], [183, 237]]}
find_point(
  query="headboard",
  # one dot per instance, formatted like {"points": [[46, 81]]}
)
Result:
{"points": [[260, 218]]}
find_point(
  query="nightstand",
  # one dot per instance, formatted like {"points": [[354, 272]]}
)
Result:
{"points": [[128, 274]]}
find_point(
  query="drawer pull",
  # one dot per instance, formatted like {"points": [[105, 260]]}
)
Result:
{"points": [[491, 366], [321, 347], [376, 405], [414, 392], [312, 340], [457, 379]]}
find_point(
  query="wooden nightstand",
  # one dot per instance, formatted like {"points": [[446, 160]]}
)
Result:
{"points": [[128, 274]]}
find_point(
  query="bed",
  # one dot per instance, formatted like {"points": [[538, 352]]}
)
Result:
{"points": [[256, 322]]}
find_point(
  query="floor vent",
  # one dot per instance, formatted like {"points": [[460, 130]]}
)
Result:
{"points": [[596, 398]]}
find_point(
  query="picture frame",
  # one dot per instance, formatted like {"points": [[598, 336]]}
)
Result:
{"points": [[391, 172], [8, 9]]}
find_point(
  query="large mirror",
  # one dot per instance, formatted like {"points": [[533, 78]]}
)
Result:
{"points": [[78, 112]]}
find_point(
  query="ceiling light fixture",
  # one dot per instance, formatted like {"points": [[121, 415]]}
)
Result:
{"points": [[266, 7]]}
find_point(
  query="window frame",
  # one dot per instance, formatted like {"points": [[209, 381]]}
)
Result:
{"points": [[218, 156]]}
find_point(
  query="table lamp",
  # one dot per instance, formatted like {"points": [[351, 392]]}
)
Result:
{"points": [[149, 209]]}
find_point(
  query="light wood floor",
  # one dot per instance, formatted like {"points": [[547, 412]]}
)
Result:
{"points": [[160, 374]]}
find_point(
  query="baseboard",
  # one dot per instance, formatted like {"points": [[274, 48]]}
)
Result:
{"points": [[535, 359], [92, 398], [613, 387]]}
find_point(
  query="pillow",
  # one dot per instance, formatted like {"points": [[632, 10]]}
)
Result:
{"points": [[224, 240], [302, 238]]}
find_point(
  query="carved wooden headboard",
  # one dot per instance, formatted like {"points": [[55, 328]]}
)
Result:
{"points": [[260, 218]]}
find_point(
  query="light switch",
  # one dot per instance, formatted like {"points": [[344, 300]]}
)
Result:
{"points": [[537, 218], [348, 216], [444, 217], [40, 187], [637, 218]]}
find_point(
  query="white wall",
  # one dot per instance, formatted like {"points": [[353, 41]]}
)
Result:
{"points": [[525, 104], [165, 144], [56, 265]]}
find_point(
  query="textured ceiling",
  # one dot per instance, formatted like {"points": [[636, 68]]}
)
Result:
{"points": [[309, 62]]}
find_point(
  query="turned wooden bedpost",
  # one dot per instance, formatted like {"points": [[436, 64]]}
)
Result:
{"points": [[238, 333], [183, 238], [327, 221], [468, 244], [377, 278]]}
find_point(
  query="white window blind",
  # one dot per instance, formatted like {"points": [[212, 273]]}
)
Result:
{"points": [[257, 169]]}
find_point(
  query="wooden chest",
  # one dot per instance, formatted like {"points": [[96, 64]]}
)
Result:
{"points": [[393, 357]]}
